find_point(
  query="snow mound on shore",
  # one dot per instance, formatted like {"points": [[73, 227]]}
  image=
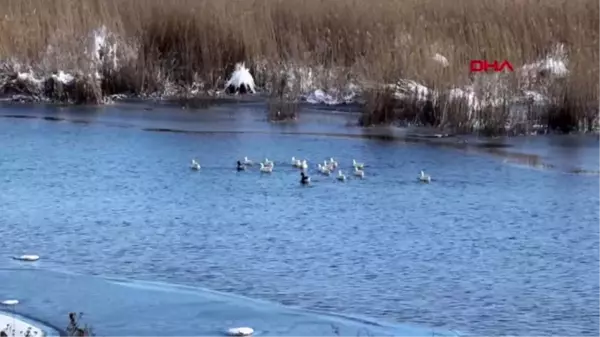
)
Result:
{"points": [[241, 81]]}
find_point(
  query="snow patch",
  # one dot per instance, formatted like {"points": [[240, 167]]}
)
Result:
{"points": [[29, 77], [331, 97], [241, 81], [409, 89], [63, 77], [441, 59]]}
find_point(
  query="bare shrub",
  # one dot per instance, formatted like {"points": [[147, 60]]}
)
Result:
{"points": [[280, 110], [75, 328], [379, 107]]}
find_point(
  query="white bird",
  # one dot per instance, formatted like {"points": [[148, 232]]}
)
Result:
{"points": [[296, 162], [266, 169], [324, 169], [359, 173], [243, 331], [332, 163], [424, 177], [341, 176], [195, 165], [27, 258], [267, 162], [358, 165], [247, 161], [304, 165]]}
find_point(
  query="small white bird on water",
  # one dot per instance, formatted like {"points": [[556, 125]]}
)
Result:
{"points": [[424, 177], [332, 163], [195, 165], [247, 161], [323, 169], [268, 162], [341, 176], [266, 169], [304, 165], [359, 173], [29, 258], [243, 331], [296, 162], [358, 165]]}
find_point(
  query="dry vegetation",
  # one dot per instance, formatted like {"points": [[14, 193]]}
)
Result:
{"points": [[377, 40], [75, 328], [282, 111]]}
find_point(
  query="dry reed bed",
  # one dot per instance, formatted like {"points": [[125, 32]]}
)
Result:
{"points": [[377, 41]]}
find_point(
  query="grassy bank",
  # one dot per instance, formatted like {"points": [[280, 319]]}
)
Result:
{"points": [[380, 41]]}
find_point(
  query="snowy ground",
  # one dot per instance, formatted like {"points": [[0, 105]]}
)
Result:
{"points": [[12, 325]]}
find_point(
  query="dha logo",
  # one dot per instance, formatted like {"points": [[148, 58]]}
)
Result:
{"points": [[478, 66]]}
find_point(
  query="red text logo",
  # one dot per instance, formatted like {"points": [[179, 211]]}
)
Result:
{"points": [[478, 66]]}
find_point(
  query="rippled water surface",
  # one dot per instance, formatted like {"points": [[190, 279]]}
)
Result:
{"points": [[486, 248]]}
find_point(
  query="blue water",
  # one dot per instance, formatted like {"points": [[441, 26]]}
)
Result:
{"points": [[126, 308], [487, 248]]}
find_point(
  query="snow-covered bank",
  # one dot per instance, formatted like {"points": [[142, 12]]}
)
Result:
{"points": [[14, 325], [109, 72]]}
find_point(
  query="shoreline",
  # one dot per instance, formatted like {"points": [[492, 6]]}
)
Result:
{"points": [[399, 104], [406, 62], [500, 147], [23, 323], [247, 309], [353, 108], [407, 103], [491, 104]]}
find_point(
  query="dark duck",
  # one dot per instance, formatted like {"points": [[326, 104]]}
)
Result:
{"points": [[240, 167], [304, 179]]}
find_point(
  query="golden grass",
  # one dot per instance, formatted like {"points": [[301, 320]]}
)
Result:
{"points": [[376, 40]]}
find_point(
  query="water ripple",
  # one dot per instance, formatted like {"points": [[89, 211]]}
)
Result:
{"points": [[486, 248]]}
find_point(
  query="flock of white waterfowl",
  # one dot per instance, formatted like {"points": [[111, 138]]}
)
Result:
{"points": [[327, 168]]}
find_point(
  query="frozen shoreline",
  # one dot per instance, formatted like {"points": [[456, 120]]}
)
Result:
{"points": [[180, 310], [13, 325]]}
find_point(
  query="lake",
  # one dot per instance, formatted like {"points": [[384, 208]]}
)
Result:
{"points": [[143, 245]]}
